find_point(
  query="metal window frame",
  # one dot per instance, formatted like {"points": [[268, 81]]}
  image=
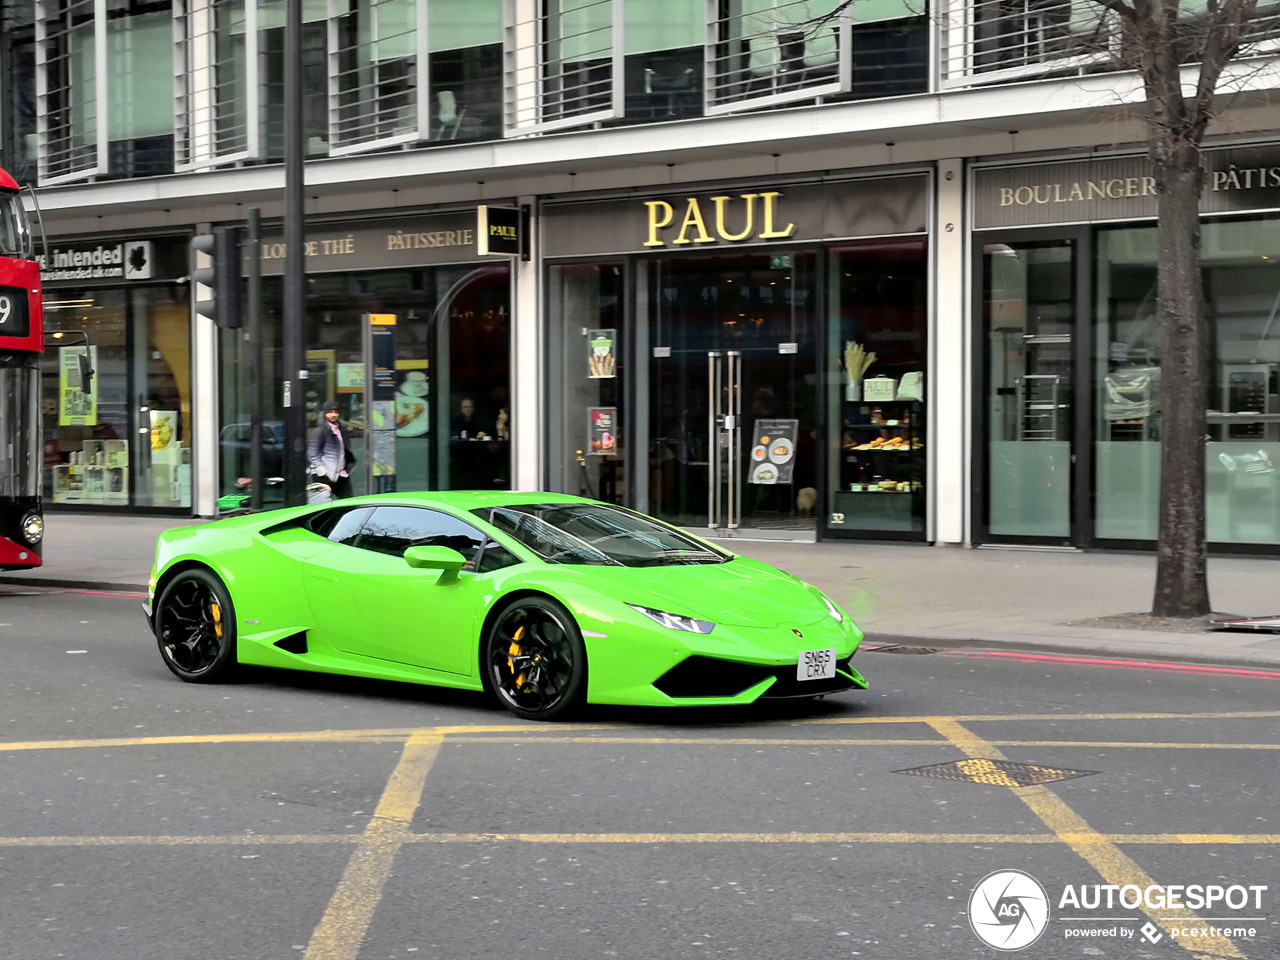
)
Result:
{"points": [[525, 72], [55, 11], [341, 140], [195, 66], [713, 106], [958, 42]]}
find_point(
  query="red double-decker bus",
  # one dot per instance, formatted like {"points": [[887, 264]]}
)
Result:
{"points": [[21, 342]]}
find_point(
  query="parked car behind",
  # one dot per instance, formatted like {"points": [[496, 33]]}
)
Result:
{"points": [[235, 443]]}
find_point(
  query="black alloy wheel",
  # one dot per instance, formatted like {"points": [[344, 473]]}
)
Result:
{"points": [[196, 627], [535, 659]]}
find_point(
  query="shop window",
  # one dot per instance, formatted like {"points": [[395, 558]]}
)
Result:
{"points": [[87, 445], [1241, 285], [877, 475], [589, 449], [452, 346], [160, 359]]}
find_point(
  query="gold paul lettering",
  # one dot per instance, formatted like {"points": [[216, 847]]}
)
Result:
{"points": [[693, 217], [656, 223], [720, 203], [768, 233], [693, 226]]}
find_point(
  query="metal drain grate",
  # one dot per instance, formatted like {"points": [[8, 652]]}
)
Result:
{"points": [[996, 773], [900, 648]]}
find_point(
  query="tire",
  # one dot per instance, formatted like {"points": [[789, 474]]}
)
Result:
{"points": [[196, 627], [535, 661]]}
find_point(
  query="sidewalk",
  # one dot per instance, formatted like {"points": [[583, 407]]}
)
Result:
{"points": [[899, 593]]}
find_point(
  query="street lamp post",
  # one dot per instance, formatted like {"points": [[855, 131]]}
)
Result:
{"points": [[295, 268]]}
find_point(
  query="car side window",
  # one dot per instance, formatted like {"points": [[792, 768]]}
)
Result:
{"points": [[393, 530], [341, 526], [495, 557]]}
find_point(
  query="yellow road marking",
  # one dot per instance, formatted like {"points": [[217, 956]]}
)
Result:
{"points": [[1100, 853], [553, 734], [342, 928], [607, 839], [397, 736]]}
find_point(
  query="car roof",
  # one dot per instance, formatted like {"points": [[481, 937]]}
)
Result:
{"points": [[463, 500]]}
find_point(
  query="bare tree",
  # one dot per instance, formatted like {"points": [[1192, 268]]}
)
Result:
{"points": [[1159, 38]]}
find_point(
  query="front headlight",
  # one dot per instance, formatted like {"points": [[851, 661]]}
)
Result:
{"points": [[674, 620], [833, 610], [33, 527]]}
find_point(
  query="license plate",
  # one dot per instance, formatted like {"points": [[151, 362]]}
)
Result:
{"points": [[816, 665]]}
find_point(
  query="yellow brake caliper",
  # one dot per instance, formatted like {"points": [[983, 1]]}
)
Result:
{"points": [[514, 651], [216, 610]]}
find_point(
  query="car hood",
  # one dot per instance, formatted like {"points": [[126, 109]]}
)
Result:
{"points": [[742, 592]]}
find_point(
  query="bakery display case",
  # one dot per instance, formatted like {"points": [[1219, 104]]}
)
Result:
{"points": [[881, 473]]}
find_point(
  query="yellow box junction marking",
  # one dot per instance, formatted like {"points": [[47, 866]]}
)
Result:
{"points": [[1100, 853], [342, 928]]}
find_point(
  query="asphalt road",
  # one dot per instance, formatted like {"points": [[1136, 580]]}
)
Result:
{"points": [[295, 816]]}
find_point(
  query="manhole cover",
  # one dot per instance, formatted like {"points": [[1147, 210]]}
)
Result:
{"points": [[996, 773]]}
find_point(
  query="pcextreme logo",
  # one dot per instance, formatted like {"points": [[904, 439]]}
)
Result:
{"points": [[1009, 910]]}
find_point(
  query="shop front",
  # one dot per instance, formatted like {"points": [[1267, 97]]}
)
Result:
{"points": [[744, 361], [1068, 388], [116, 373], [408, 330]]}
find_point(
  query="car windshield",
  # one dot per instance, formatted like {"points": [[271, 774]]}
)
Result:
{"points": [[595, 533]]}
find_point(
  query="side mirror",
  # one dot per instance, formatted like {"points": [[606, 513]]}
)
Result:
{"points": [[445, 559]]}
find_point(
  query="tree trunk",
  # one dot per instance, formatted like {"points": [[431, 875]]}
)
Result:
{"points": [[1182, 588]]}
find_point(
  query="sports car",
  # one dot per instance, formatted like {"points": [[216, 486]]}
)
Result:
{"points": [[545, 600]]}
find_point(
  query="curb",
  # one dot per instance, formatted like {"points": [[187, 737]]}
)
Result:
{"points": [[53, 583], [1086, 648]]}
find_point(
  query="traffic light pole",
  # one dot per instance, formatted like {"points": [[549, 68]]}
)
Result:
{"points": [[253, 340], [295, 270]]}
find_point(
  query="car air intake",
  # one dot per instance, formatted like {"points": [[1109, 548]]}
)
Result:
{"points": [[294, 643]]}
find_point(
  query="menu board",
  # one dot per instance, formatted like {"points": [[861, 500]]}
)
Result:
{"points": [[773, 451], [602, 431]]}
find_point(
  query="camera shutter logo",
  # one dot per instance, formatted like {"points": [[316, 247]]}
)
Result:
{"points": [[1008, 910]]}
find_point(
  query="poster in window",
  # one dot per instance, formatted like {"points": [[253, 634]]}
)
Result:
{"points": [[77, 407], [602, 360], [350, 377], [602, 431], [164, 434], [773, 451]]}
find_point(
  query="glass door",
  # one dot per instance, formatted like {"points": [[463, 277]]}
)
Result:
{"points": [[1029, 303], [732, 383]]}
